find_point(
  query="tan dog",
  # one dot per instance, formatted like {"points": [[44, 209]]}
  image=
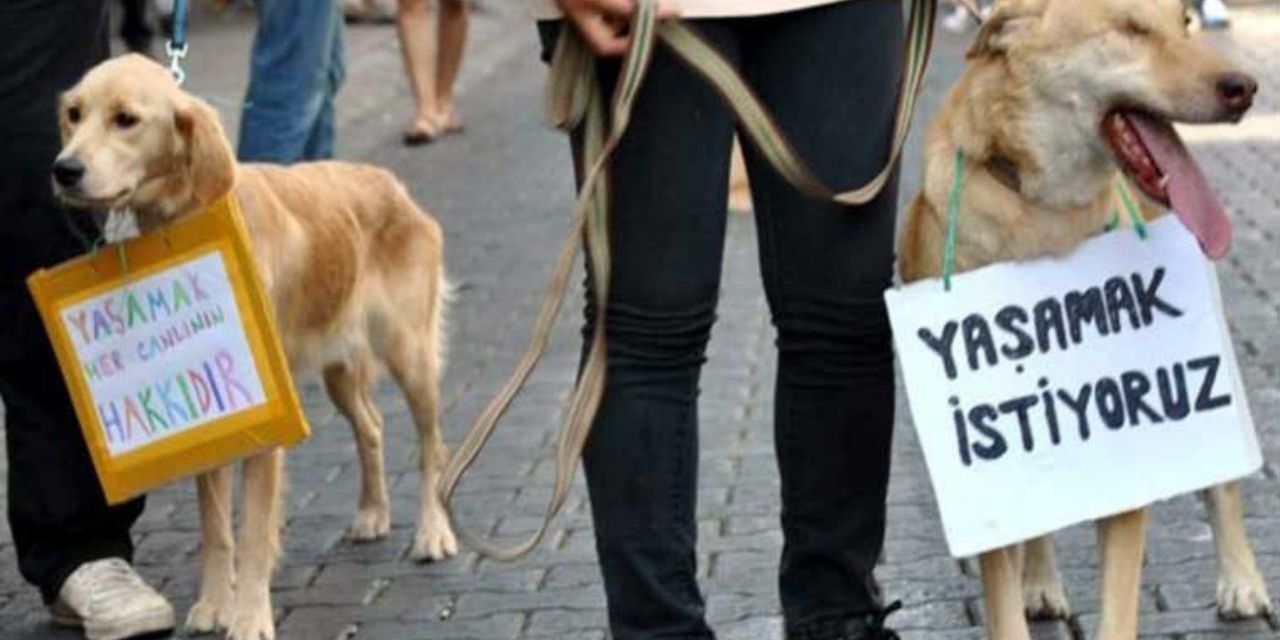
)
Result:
{"points": [[353, 268], [1056, 95]]}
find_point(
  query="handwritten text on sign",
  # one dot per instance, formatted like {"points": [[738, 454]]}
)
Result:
{"points": [[1062, 390], [164, 353]]}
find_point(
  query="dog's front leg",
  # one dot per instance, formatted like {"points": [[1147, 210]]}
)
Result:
{"points": [[1002, 594], [1123, 547], [1042, 584], [1242, 593], [259, 547], [212, 610]]}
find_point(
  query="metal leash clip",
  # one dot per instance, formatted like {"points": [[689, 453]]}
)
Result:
{"points": [[176, 46], [176, 54]]}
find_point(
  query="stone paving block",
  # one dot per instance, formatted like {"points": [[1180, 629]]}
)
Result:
{"points": [[480, 603], [552, 621], [1167, 623], [958, 588], [565, 576], [498, 627], [571, 635], [752, 628]]}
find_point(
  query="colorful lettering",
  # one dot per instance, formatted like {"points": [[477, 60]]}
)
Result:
{"points": [[226, 367]]}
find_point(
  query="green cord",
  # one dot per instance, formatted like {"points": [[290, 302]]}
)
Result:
{"points": [[953, 216], [1139, 225], [121, 254]]}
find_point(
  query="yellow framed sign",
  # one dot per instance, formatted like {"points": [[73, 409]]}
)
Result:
{"points": [[168, 346]]}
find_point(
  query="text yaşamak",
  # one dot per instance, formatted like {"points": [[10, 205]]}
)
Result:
{"points": [[1167, 393]]}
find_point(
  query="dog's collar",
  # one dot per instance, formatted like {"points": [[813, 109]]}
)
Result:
{"points": [[1005, 171]]}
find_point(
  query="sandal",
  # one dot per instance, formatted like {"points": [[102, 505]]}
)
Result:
{"points": [[450, 122], [420, 133]]}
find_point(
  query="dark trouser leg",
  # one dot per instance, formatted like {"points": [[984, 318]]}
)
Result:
{"points": [[134, 29], [829, 75], [669, 180], [57, 512]]}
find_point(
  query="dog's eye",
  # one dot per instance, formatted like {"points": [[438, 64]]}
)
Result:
{"points": [[1134, 28], [73, 115], [125, 120]]}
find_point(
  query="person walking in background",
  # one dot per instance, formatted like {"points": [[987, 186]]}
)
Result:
{"points": [[829, 71], [134, 28], [1213, 13], [70, 544], [431, 62], [367, 11], [959, 19], [295, 72]]}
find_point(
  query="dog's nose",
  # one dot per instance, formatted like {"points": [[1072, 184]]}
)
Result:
{"points": [[1236, 91], [68, 171]]}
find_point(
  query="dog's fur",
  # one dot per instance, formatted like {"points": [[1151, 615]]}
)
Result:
{"points": [[1041, 76], [353, 268]]}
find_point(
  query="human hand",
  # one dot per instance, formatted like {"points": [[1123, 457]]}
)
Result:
{"points": [[603, 23]]}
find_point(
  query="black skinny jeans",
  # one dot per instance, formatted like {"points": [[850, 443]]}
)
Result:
{"points": [[830, 76], [57, 512]]}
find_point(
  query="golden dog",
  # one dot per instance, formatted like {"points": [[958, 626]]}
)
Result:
{"points": [[353, 268], [1057, 93]]}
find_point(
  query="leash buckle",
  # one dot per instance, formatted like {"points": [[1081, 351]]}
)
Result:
{"points": [[176, 55]]}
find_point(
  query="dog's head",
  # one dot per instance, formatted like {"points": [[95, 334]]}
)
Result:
{"points": [[1126, 69], [132, 139]]}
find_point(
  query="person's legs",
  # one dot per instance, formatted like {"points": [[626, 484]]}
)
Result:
{"points": [[454, 18], [830, 76], [321, 141], [667, 219], [57, 513], [289, 81], [134, 29], [418, 46]]}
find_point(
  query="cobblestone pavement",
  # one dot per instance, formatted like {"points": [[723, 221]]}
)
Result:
{"points": [[502, 192]]}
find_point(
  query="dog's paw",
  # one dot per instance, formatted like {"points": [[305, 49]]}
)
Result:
{"points": [[207, 616], [252, 623], [1243, 596], [370, 524], [434, 543], [1046, 601]]}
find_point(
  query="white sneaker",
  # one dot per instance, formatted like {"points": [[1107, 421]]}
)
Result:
{"points": [[1214, 14], [958, 20], [110, 600]]}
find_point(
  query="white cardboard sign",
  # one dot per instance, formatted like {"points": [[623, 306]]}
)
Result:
{"points": [[164, 353], [1062, 390]]}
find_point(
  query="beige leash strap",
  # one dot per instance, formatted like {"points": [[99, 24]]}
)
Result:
{"points": [[574, 97]]}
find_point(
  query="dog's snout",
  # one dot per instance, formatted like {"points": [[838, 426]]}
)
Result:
{"points": [[1236, 91], [68, 171]]}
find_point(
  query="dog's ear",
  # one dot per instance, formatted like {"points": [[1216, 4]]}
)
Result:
{"points": [[210, 164], [999, 29]]}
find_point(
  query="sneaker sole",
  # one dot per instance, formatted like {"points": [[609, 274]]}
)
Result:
{"points": [[154, 622], [64, 617]]}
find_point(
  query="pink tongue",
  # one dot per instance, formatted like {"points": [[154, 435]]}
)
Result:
{"points": [[1189, 193]]}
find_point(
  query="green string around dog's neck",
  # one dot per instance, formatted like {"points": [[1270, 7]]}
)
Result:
{"points": [[953, 216], [1131, 207], [122, 255]]}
